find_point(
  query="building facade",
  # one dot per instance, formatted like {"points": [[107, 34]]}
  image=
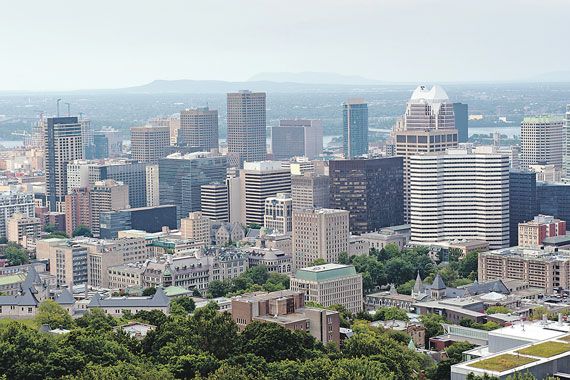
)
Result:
{"points": [[149, 219], [199, 128], [149, 143], [196, 227], [11, 203], [108, 195], [354, 128], [214, 202], [522, 200], [24, 230], [310, 190], [553, 199], [297, 137], [542, 141], [533, 233], [279, 213], [461, 113]]}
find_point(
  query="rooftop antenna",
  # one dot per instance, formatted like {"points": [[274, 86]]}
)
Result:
{"points": [[68, 109], [57, 102]]}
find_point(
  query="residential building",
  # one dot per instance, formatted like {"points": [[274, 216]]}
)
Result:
{"points": [[182, 175], [246, 127], [12, 202], [67, 260], [310, 190], [149, 219], [330, 284], [63, 143], [297, 137], [354, 128], [319, 234], [533, 233], [428, 126], [287, 309], [461, 114], [440, 209], [370, 189], [152, 186], [196, 227], [108, 195], [542, 141], [214, 201], [77, 209], [553, 199], [259, 181], [279, 213], [199, 128], [24, 230], [149, 143], [522, 200]]}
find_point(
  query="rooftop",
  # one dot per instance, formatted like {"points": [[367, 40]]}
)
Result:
{"points": [[545, 119], [325, 272]]}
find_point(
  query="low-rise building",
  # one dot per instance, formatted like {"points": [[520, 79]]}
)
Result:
{"points": [[274, 260], [196, 227], [67, 260], [116, 306], [533, 233], [398, 235], [24, 230]]}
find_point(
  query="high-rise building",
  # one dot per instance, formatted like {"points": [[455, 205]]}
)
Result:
{"points": [[542, 141], [279, 213], [533, 232], [319, 234], [354, 128], [108, 143], [297, 137], [24, 230], [259, 181], [461, 113], [214, 201], [172, 122], [428, 126], [199, 128], [63, 143], [246, 127], [553, 199], [370, 189], [12, 202], [196, 227], [84, 173], [152, 186], [77, 209], [522, 200], [460, 194], [182, 175], [148, 219], [107, 195], [567, 143], [310, 190], [149, 144], [87, 139]]}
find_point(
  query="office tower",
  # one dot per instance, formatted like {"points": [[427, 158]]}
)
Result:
{"points": [[428, 126], [460, 194], [330, 284], [84, 173], [279, 213], [371, 190], [152, 187], [196, 227], [522, 200], [149, 144], [553, 199], [182, 175], [259, 181], [319, 234], [354, 128], [107, 195], [214, 202], [542, 140], [67, 260], [461, 113], [246, 127], [566, 161], [63, 143], [172, 122], [533, 232], [12, 202], [297, 137], [87, 139], [24, 230], [514, 153], [310, 190], [199, 128], [108, 143], [149, 219], [77, 209]]}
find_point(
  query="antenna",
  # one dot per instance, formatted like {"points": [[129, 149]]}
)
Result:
{"points": [[57, 103], [68, 109]]}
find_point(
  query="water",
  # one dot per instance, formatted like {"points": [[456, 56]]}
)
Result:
{"points": [[509, 131]]}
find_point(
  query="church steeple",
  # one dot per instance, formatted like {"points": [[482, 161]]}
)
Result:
{"points": [[418, 286]]}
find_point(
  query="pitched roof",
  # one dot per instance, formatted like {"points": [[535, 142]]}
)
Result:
{"points": [[438, 283], [65, 298], [158, 300]]}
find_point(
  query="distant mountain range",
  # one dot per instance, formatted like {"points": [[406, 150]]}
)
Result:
{"points": [[309, 77]]}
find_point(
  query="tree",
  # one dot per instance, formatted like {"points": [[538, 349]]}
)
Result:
{"points": [[153, 317], [213, 332], [190, 365], [186, 303], [82, 230], [96, 320], [390, 313], [147, 292], [16, 255], [52, 314], [319, 261], [217, 288], [406, 287], [497, 310], [258, 274], [343, 258], [432, 323]]}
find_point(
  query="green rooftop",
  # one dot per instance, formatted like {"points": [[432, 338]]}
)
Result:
{"points": [[12, 279], [325, 272], [173, 291], [546, 349], [542, 119], [502, 363]]}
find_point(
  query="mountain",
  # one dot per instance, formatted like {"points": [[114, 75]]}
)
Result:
{"points": [[309, 77]]}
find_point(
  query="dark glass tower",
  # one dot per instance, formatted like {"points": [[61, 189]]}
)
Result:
{"points": [[522, 201], [354, 128], [461, 112]]}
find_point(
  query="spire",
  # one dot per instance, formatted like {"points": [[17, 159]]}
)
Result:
{"points": [[418, 286], [438, 283], [411, 344]]}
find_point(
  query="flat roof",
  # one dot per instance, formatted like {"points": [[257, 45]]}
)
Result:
{"points": [[325, 272]]}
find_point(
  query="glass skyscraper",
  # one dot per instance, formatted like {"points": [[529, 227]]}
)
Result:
{"points": [[354, 128]]}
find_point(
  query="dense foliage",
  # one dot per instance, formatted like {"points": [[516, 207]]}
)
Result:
{"points": [[256, 278]]}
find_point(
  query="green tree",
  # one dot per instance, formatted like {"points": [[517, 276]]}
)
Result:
{"points": [[186, 303], [468, 265], [258, 274], [319, 261], [149, 291], [96, 320], [213, 332], [343, 258], [432, 323], [153, 317], [217, 288], [406, 287], [498, 310], [190, 365], [82, 230], [123, 371], [16, 255], [52, 314], [390, 313]]}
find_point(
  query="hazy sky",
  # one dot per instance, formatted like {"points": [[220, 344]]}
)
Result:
{"points": [[114, 43]]}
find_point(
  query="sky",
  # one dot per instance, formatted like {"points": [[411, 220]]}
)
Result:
{"points": [[70, 44]]}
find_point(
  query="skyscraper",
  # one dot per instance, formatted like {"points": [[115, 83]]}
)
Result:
{"points": [[63, 143], [354, 128], [182, 175], [567, 143], [461, 112], [199, 128], [152, 187], [522, 200], [77, 209], [214, 202], [108, 143], [427, 126], [461, 194], [87, 139], [149, 143], [370, 189], [297, 137], [107, 195], [246, 127], [310, 190], [554, 199], [278, 213], [542, 141]]}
